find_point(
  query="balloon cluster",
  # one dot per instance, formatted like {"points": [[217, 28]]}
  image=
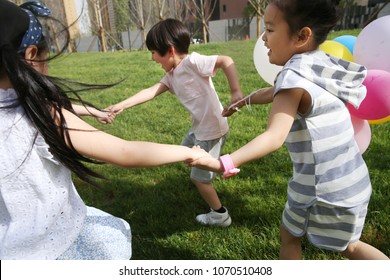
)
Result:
{"points": [[370, 48]]}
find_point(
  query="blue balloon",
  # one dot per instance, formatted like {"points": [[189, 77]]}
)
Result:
{"points": [[347, 40]]}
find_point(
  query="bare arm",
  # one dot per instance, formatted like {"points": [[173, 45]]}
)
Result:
{"points": [[101, 116], [105, 147], [84, 110], [226, 63], [261, 96], [284, 109], [139, 98]]}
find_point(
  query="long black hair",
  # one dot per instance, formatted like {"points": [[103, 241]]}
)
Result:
{"points": [[42, 97]]}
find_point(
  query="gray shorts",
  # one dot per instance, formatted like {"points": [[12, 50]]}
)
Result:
{"points": [[326, 226], [214, 147]]}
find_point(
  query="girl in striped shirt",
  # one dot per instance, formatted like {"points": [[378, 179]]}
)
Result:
{"points": [[328, 194]]}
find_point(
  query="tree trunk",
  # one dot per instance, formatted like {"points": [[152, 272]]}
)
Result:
{"points": [[258, 22], [204, 33]]}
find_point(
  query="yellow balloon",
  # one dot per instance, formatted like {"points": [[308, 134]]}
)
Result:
{"points": [[386, 119], [336, 49]]}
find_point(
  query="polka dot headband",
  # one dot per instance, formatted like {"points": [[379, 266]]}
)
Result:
{"points": [[34, 32]]}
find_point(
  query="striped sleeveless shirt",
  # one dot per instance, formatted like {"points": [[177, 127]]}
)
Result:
{"points": [[327, 164]]}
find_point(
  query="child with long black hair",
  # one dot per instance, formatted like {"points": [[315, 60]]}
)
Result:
{"points": [[330, 189], [43, 141]]}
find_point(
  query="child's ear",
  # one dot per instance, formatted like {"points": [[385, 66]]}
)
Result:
{"points": [[31, 53], [172, 51], [304, 36]]}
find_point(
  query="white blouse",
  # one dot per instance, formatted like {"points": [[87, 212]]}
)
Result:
{"points": [[41, 213]]}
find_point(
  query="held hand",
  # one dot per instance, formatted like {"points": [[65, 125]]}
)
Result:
{"points": [[229, 110], [196, 153], [236, 102], [115, 109], [236, 96], [232, 108], [205, 161], [106, 117]]}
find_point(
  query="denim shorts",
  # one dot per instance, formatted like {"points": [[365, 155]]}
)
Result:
{"points": [[213, 147]]}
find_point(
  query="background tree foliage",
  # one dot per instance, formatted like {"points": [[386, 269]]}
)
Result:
{"points": [[122, 20]]}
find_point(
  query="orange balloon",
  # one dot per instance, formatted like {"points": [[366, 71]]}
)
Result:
{"points": [[379, 120]]}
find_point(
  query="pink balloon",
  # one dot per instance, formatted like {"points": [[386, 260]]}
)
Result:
{"points": [[362, 133], [376, 105]]}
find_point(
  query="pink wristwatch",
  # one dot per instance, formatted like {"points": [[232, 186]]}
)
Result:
{"points": [[228, 166]]}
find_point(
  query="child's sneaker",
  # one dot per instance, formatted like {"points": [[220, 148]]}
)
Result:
{"points": [[215, 218]]}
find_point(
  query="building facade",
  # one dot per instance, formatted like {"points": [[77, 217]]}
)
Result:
{"points": [[230, 9]]}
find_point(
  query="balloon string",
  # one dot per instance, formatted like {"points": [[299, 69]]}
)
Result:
{"points": [[247, 104]]}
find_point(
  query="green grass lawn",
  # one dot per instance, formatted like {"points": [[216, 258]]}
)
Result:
{"points": [[161, 204]]}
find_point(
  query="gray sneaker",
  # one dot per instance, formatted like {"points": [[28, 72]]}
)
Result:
{"points": [[215, 218]]}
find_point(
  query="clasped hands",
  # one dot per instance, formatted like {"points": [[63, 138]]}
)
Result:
{"points": [[205, 161], [234, 106]]}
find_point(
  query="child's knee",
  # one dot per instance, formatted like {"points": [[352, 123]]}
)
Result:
{"points": [[351, 248]]}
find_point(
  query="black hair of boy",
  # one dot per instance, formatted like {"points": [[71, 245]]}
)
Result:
{"points": [[166, 34]]}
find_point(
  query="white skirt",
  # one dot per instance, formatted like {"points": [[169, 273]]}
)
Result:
{"points": [[103, 237]]}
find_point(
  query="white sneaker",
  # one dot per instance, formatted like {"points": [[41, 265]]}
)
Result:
{"points": [[215, 218]]}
